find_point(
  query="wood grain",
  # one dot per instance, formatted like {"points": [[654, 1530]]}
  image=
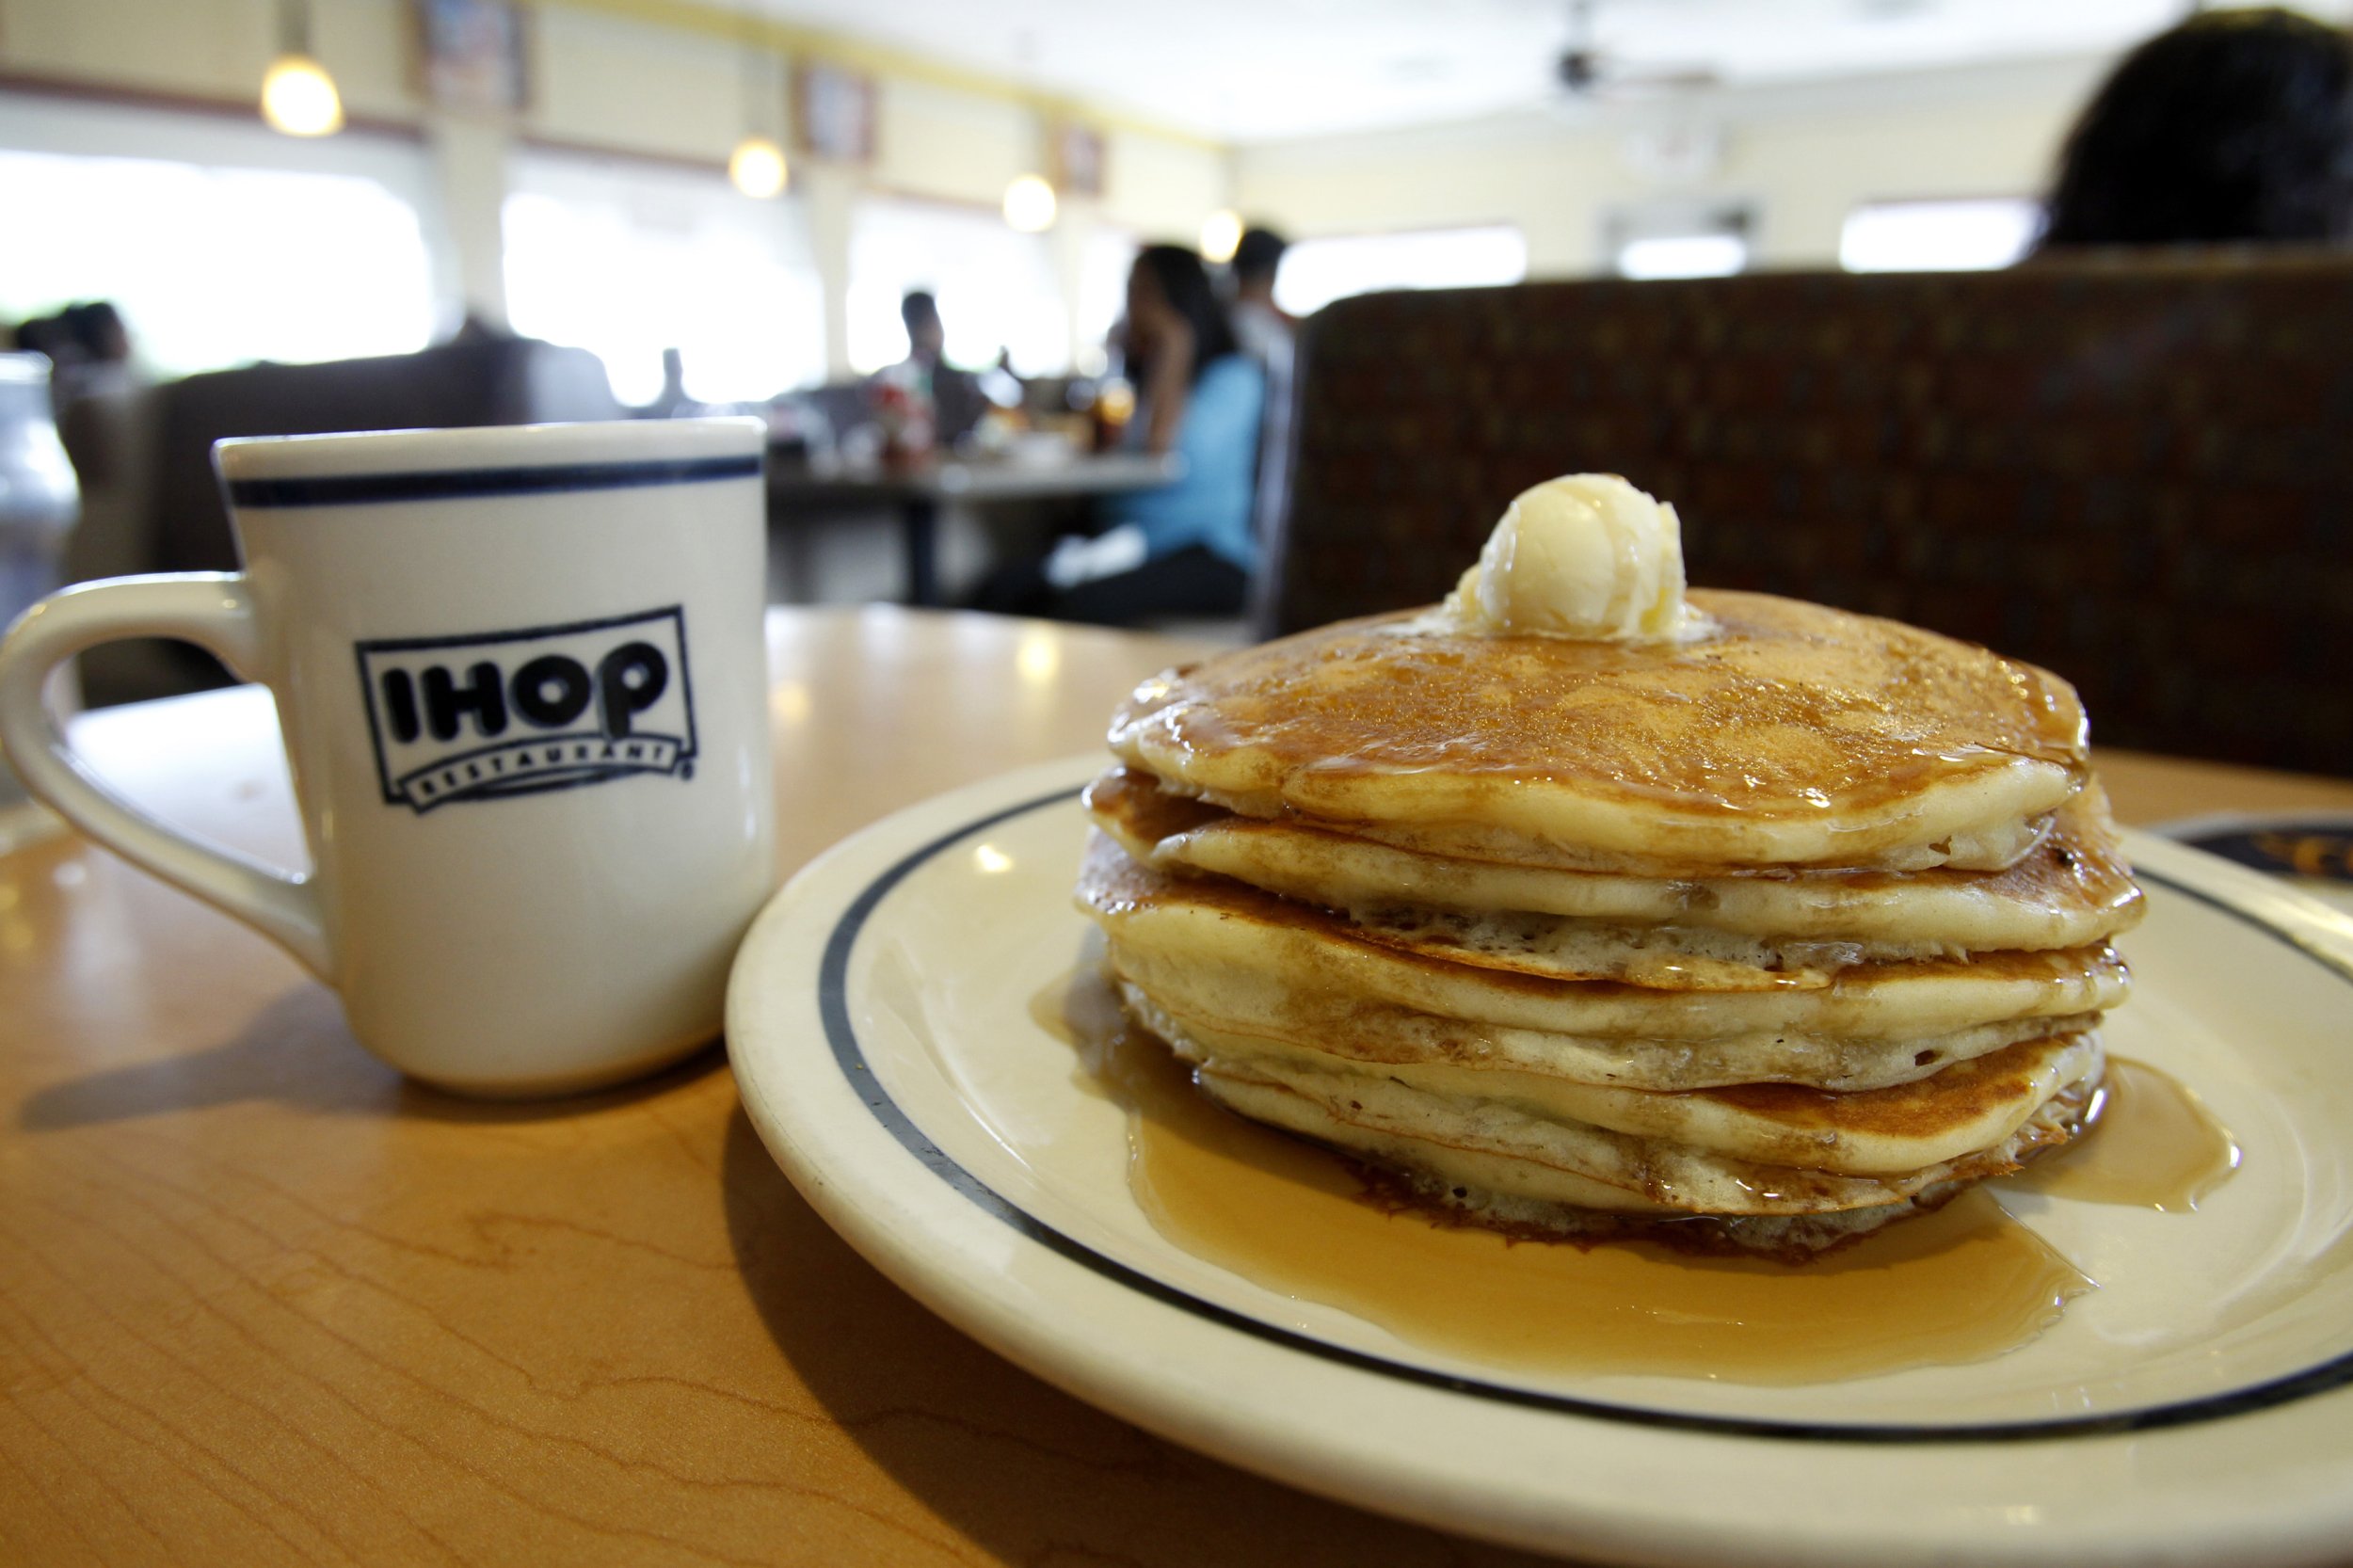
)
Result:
{"points": [[262, 1301]]}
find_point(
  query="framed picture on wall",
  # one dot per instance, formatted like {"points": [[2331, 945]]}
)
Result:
{"points": [[1077, 159], [471, 54], [833, 112]]}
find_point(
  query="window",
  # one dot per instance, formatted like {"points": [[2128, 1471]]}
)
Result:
{"points": [[216, 266], [1104, 264], [997, 288], [1938, 236], [1315, 272], [1677, 239], [1683, 256], [628, 261]]}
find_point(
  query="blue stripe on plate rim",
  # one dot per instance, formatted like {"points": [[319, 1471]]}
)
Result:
{"points": [[841, 1033]]}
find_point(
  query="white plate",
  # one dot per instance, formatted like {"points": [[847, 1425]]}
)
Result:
{"points": [[2194, 1409]]}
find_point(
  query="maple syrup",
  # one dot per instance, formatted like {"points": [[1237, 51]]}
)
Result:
{"points": [[1962, 1284], [2152, 1144]]}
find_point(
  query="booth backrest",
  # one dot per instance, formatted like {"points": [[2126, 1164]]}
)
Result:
{"points": [[2139, 474], [491, 381], [151, 502]]}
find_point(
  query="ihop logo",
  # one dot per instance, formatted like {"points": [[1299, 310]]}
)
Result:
{"points": [[516, 712]]}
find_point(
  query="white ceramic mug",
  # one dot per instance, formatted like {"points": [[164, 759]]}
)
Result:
{"points": [[522, 682]]}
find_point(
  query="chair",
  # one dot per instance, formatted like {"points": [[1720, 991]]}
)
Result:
{"points": [[2137, 472]]}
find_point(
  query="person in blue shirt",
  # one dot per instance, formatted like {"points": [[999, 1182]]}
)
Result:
{"points": [[1186, 547]]}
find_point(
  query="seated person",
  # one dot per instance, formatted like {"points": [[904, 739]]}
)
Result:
{"points": [[1265, 329], [956, 399], [1271, 336], [1184, 547]]}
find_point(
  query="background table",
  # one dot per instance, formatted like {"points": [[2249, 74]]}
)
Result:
{"points": [[799, 491], [262, 1301]]}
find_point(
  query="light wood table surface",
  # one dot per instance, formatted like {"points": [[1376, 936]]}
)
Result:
{"points": [[262, 1301]]}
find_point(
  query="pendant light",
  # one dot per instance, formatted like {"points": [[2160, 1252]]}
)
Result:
{"points": [[1221, 236], [756, 166], [298, 97], [1030, 204]]}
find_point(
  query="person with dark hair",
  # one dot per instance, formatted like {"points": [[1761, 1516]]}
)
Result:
{"points": [[1259, 321], [99, 328], [956, 400], [47, 335], [1176, 330], [927, 335], [89, 347], [1270, 335], [2235, 126], [1184, 547]]}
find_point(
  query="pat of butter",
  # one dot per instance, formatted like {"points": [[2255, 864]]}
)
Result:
{"points": [[1587, 556]]}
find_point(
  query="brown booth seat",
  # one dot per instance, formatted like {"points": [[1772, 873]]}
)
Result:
{"points": [[151, 502], [2137, 472]]}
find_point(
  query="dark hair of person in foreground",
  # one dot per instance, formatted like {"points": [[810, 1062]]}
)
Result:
{"points": [[2235, 126], [1184, 285]]}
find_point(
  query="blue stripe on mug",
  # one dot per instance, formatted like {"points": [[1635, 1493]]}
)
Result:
{"points": [[360, 489]]}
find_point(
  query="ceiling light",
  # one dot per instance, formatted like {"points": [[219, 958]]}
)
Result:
{"points": [[298, 97], [1220, 236], [756, 168], [1030, 204]]}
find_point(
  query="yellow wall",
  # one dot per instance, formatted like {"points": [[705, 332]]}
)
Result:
{"points": [[1803, 161], [609, 83], [613, 75], [935, 141], [1162, 189], [205, 48]]}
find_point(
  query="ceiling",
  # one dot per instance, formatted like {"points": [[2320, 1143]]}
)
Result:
{"points": [[1247, 70]]}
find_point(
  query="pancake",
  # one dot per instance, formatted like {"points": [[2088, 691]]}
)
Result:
{"points": [[2072, 889], [1564, 1161], [1342, 1024], [1577, 904], [1907, 1127], [1793, 736], [1520, 1180], [1207, 926]]}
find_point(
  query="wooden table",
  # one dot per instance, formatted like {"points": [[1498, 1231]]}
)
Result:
{"points": [[262, 1301], [799, 492]]}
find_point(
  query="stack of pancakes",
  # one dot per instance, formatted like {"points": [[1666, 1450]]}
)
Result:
{"points": [[1763, 939]]}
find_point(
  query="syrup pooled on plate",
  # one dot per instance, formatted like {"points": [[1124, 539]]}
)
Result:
{"points": [[2152, 1145], [1960, 1284]]}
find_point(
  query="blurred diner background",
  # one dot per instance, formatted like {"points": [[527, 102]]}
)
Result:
{"points": [[2028, 322]]}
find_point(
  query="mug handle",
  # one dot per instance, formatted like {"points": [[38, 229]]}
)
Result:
{"points": [[213, 611]]}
